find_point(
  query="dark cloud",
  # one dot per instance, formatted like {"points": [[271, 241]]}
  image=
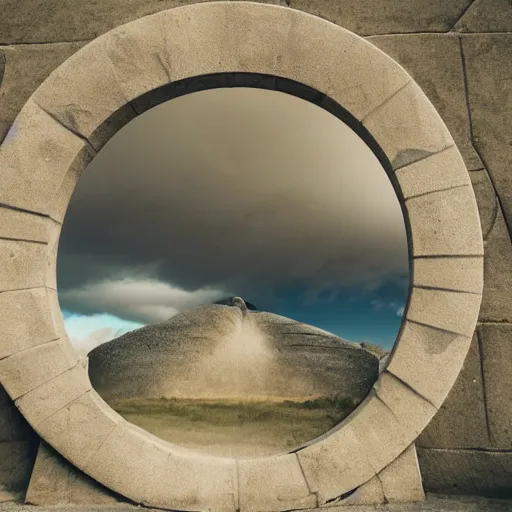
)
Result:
{"points": [[232, 191]]}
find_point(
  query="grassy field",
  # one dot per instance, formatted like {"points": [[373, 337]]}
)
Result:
{"points": [[236, 429]]}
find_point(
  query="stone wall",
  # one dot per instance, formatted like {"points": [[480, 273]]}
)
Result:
{"points": [[459, 52]]}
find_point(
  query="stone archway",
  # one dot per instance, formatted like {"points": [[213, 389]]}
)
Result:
{"points": [[92, 95]]}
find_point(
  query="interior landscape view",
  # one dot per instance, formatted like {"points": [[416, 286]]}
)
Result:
{"points": [[240, 293]]}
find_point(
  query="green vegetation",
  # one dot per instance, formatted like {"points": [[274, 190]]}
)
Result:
{"points": [[236, 428]]}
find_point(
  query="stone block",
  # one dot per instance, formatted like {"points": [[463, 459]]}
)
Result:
{"points": [[26, 370], [130, 460], [496, 347], [16, 462], [462, 419], [18, 225], [407, 127], [330, 467], [26, 69], [27, 319], [55, 482], [454, 312], [44, 401], [273, 483], [457, 274], [23, 265], [435, 63], [486, 200], [496, 303], [445, 223], [467, 472], [80, 428], [486, 16], [441, 171], [429, 361], [487, 60], [401, 480]]}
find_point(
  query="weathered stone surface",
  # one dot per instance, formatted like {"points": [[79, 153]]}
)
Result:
{"points": [[496, 346], [56, 482], [69, 20], [273, 483], [462, 419], [481, 473], [496, 303], [490, 91], [441, 171], [16, 462], [26, 68], [80, 428], [330, 467], [23, 265], [18, 225], [459, 274], [428, 349], [486, 200], [401, 480], [450, 311], [27, 319], [486, 16], [44, 401], [434, 61], [26, 370], [445, 223], [408, 127], [185, 482]]}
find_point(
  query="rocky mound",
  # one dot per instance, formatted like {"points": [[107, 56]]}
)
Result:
{"points": [[226, 352]]}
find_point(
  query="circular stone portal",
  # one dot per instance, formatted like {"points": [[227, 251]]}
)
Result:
{"points": [[78, 108]]}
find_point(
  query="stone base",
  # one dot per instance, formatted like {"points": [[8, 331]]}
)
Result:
{"points": [[55, 481]]}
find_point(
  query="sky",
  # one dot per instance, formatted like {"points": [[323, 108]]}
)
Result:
{"points": [[223, 192]]}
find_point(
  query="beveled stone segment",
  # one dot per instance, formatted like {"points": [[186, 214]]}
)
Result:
{"points": [[131, 460], [436, 172], [401, 480], [335, 465], [407, 127], [460, 274], [450, 311], [445, 223], [429, 360], [273, 483], [36, 161], [44, 401], [27, 320], [79, 429], [19, 225], [26, 370], [83, 92], [54, 481], [23, 265], [405, 403]]}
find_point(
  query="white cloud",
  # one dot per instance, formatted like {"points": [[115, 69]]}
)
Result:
{"points": [[145, 300]]}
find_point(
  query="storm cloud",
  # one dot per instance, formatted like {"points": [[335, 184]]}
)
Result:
{"points": [[230, 191]]}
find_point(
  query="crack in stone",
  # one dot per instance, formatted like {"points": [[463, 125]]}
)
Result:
{"points": [[436, 328], [410, 388], [24, 210], [68, 128], [30, 348], [30, 43], [312, 493], [484, 390], [462, 14], [431, 192], [437, 288], [389, 98], [440, 256], [422, 158], [508, 222], [496, 210], [12, 239]]}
